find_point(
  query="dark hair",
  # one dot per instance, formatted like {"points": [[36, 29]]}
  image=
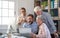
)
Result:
{"points": [[23, 9], [31, 15], [38, 3]]}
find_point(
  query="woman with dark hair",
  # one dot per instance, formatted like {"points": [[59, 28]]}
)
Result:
{"points": [[22, 15], [21, 18]]}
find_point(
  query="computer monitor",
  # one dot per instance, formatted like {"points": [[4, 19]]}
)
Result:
{"points": [[4, 29]]}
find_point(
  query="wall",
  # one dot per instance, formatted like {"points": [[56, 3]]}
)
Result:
{"points": [[28, 4]]}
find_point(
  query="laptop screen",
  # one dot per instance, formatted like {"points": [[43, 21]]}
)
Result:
{"points": [[25, 30]]}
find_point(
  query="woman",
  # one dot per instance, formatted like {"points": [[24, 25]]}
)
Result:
{"points": [[43, 29], [22, 16]]}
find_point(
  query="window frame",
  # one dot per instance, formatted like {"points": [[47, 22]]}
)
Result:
{"points": [[8, 11]]}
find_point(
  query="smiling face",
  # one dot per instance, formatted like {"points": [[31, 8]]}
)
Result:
{"points": [[23, 11], [38, 13], [29, 19], [39, 20], [38, 10]]}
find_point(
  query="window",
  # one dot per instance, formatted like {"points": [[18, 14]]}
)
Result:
{"points": [[0, 20], [6, 12], [4, 4], [0, 12], [0, 4]]}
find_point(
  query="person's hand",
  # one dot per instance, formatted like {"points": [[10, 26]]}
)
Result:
{"points": [[33, 35], [56, 35], [20, 21]]}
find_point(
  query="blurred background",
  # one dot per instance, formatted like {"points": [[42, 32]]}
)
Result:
{"points": [[9, 10]]}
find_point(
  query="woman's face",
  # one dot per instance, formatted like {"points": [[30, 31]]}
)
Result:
{"points": [[23, 12], [39, 21]]}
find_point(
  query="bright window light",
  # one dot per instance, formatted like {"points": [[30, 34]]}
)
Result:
{"points": [[0, 4], [11, 12], [4, 12], [11, 5], [0, 20], [5, 20], [4, 4], [11, 20], [0, 12]]}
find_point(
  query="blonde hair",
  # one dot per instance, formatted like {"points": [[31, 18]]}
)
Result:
{"points": [[37, 8]]}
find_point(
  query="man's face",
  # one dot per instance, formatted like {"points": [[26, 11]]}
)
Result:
{"points": [[29, 19], [38, 12], [39, 21]]}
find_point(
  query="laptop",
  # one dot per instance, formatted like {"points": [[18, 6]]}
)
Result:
{"points": [[25, 32]]}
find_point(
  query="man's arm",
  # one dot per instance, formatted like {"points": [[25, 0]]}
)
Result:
{"points": [[49, 19]]}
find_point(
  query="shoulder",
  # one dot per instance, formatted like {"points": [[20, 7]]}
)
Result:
{"points": [[24, 24], [34, 23], [44, 25], [46, 13]]}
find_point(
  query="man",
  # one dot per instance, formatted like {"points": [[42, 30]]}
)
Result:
{"points": [[47, 20], [30, 23]]}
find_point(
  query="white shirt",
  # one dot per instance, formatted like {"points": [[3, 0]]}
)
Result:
{"points": [[43, 31]]}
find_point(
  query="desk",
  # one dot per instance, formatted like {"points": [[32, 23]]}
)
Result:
{"points": [[13, 36], [17, 37]]}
